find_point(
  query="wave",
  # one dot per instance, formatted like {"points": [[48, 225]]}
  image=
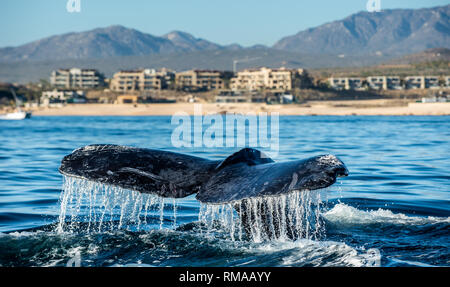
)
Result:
{"points": [[342, 214], [307, 253], [173, 248]]}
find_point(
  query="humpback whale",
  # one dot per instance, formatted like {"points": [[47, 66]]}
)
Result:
{"points": [[242, 176]]}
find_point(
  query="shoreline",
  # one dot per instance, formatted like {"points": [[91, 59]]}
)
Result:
{"points": [[319, 108]]}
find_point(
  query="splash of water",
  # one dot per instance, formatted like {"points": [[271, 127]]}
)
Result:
{"points": [[104, 207], [292, 216]]}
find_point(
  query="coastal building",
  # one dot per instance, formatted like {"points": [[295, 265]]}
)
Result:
{"points": [[384, 83], [199, 80], [435, 99], [432, 82], [415, 82], [76, 79], [143, 99], [439, 97], [141, 80], [242, 96], [346, 83], [57, 98], [281, 79], [338, 83], [127, 99], [394, 83], [377, 83], [233, 97], [355, 84], [287, 99], [422, 82]]}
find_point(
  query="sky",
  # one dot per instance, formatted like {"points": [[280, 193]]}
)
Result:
{"points": [[246, 22]]}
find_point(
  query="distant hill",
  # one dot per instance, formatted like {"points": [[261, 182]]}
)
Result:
{"points": [[187, 42], [392, 32], [429, 55], [113, 41]]}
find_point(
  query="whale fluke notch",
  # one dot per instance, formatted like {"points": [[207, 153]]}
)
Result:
{"points": [[248, 156], [245, 174]]}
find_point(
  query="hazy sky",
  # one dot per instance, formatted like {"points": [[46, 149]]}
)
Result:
{"points": [[246, 22]]}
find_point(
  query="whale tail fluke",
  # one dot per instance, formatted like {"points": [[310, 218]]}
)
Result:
{"points": [[245, 174]]}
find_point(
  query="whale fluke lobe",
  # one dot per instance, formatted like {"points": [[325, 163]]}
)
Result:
{"points": [[243, 175], [241, 181], [163, 173]]}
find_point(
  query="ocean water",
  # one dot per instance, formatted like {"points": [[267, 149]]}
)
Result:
{"points": [[392, 210]]}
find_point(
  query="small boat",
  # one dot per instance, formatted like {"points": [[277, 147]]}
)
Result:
{"points": [[18, 114], [14, 116]]}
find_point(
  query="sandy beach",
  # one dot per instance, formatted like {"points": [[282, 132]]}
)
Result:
{"points": [[361, 107]]}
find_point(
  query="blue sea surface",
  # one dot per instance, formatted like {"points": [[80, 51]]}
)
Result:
{"points": [[392, 210]]}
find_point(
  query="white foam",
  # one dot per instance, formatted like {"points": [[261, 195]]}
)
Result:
{"points": [[345, 214], [18, 234], [321, 253]]}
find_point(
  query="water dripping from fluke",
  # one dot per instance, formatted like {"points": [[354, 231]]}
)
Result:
{"points": [[93, 207], [287, 217]]}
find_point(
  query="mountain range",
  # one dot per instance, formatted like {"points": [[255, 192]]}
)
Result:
{"points": [[361, 39], [390, 32], [113, 41]]}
